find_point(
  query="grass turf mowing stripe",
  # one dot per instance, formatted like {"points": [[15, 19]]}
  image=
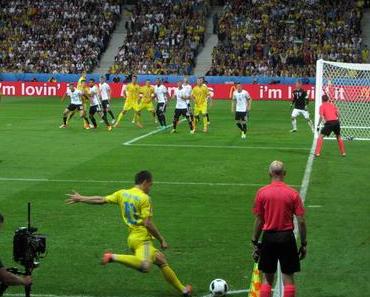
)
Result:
{"points": [[21, 179], [218, 146]]}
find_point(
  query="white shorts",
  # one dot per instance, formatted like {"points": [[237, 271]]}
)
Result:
{"points": [[296, 112]]}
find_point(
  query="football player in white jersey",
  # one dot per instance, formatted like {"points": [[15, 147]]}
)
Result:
{"points": [[95, 105], [241, 104], [161, 96], [75, 96], [105, 95], [181, 107], [187, 89]]}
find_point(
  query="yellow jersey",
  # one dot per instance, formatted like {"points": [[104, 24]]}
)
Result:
{"points": [[200, 94], [148, 94], [135, 207], [132, 92], [80, 84]]}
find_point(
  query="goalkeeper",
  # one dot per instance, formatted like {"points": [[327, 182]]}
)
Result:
{"points": [[136, 211], [329, 114]]}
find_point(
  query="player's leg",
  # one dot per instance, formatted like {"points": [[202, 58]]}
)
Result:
{"points": [[170, 276], [92, 112], [266, 286], [70, 116], [160, 114], [137, 117], [336, 130], [66, 113], [125, 109], [84, 118], [325, 131], [244, 127], [306, 115], [208, 120], [204, 117], [294, 115], [176, 118], [190, 118]]}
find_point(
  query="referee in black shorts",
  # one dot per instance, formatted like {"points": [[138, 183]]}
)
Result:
{"points": [[275, 206]]}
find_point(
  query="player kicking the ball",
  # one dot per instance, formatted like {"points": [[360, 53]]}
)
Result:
{"points": [[243, 106], [76, 104], [181, 107], [136, 211], [300, 103]]}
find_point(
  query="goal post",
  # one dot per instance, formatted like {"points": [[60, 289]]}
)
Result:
{"points": [[348, 86]]}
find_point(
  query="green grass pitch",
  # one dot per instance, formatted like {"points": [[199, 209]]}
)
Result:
{"points": [[202, 201]]}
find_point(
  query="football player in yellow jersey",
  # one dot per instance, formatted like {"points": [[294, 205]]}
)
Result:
{"points": [[146, 99], [200, 96], [136, 211], [210, 102], [131, 93]]}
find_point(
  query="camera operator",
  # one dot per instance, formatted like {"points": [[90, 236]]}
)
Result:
{"points": [[9, 279]]}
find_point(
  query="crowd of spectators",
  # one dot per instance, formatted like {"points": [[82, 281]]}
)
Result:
{"points": [[286, 37], [164, 37], [55, 36]]}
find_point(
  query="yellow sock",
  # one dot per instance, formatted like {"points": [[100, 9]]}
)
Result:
{"points": [[205, 122], [128, 260], [137, 118], [120, 116], [171, 277]]}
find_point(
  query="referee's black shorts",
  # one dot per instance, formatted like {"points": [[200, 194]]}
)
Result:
{"points": [[282, 246], [331, 126]]}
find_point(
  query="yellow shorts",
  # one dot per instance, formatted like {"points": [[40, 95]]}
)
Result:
{"points": [[200, 109], [148, 106], [143, 248], [131, 105]]}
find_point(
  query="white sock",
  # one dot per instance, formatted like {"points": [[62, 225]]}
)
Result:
{"points": [[294, 124]]}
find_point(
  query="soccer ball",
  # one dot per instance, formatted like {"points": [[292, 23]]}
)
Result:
{"points": [[218, 288]]}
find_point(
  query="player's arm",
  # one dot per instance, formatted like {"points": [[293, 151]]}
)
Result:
{"points": [[257, 228], [63, 97], [11, 279], [153, 230], [306, 101], [303, 235], [76, 198], [233, 104], [109, 93], [250, 103]]}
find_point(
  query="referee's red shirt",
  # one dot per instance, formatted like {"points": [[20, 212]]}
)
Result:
{"points": [[276, 204], [329, 112]]}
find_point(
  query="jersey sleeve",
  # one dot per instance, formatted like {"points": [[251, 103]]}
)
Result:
{"points": [[298, 205], [146, 208], [113, 198]]}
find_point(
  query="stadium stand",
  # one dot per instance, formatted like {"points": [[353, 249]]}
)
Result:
{"points": [[164, 37], [285, 38], [55, 36]]}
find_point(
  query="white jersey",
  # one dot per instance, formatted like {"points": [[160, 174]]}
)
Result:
{"points": [[104, 91], [160, 93], [75, 96], [187, 89], [94, 98], [180, 99], [241, 99]]}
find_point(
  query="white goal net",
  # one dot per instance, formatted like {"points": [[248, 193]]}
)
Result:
{"points": [[348, 85]]}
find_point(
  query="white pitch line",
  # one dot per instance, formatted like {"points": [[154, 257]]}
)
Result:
{"points": [[217, 146], [235, 292], [129, 142], [314, 206], [21, 179]]}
